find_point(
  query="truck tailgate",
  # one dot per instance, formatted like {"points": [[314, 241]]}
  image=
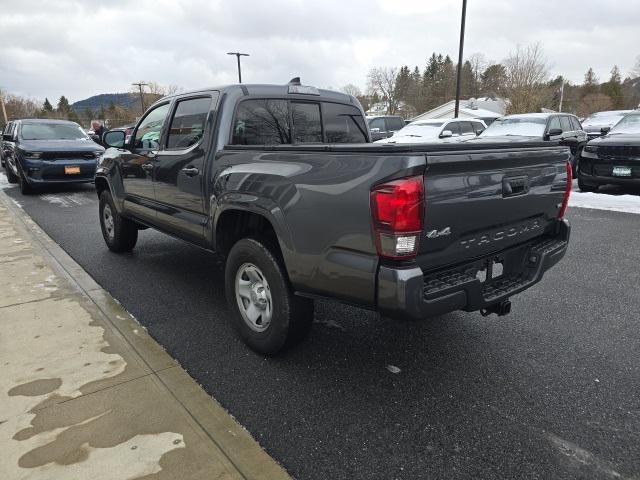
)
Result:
{"points": [[485, 201]]}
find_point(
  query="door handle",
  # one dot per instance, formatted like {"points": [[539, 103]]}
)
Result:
{"points": [[147, 166], [190, 171]]}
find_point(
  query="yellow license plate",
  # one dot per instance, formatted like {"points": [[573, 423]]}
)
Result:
{"points": [[72, 170]]}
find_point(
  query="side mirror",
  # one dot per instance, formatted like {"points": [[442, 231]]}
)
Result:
{"points": [[605, 130], [95, 138], [7, 137], [478, 132], [114, 139], [554, 132], [446, 134]]}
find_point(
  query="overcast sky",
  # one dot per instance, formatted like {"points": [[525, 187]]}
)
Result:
{"points": [[82, 48]]}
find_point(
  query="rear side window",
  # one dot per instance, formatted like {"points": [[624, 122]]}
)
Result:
{"points": [[395, 123], [566, 124], [343, 124], [466, 128], [187, 125], [262, 122], [306, 122]]}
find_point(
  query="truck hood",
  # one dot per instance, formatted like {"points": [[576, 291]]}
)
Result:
{"points": [[60, 146]]}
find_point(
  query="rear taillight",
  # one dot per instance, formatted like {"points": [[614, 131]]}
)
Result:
{"points": [[397, 209], [567, 193]]}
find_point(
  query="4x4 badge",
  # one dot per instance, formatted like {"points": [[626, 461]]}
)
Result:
{"points": [[439, 233]]}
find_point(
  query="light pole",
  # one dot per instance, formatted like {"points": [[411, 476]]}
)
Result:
{"points": [[140, 85], [238, 55], [464, 14]]}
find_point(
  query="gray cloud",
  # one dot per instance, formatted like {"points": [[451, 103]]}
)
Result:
{"points": [[77, 48]]}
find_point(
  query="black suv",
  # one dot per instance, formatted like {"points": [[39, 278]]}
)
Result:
{"points": [[384, 126], [614, 158], [562, 127]]}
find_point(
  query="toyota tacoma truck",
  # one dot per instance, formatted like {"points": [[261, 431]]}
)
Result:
{"points": [[284, 182]]}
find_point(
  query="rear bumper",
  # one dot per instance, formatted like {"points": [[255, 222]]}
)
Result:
{"points": [[39, 172], [409, 292]]}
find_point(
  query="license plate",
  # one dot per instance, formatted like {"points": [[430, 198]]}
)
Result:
{"points": [[621, 171], [75, 170]]}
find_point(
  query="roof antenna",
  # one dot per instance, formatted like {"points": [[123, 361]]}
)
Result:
{"points": [[294, 81]]}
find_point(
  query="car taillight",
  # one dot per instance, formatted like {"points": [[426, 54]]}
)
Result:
{"points": [[567, 193], [397, 208]]}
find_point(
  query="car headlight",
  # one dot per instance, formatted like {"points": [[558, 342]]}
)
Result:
{"points": [[591, 149], [97, 154], [32, 155]]}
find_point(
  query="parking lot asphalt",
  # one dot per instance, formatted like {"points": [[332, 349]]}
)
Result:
{"points": [[550, 391]]}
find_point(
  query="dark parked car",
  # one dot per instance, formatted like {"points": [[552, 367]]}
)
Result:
{"points": [[599, 123], [555, 127], [384, 126], [281, 180], [49, 151], [6, 142], [614, 158]]}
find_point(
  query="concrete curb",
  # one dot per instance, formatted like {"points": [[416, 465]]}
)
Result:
{"points": [[242, 451]]}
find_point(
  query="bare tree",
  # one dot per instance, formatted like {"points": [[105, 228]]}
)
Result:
{"points": [[382, 80], [479, 64], [527, 72], [351, 89], [594, 102]]}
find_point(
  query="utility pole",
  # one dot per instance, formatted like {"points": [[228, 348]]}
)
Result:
{"points": [[140, 85], [238, 55], [561, 95], [464, 14]]}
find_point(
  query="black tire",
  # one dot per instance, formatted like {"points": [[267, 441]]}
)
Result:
{"points": [[122, 234], [25, 188], [291, 316], [576, 162], [584, 187], [11, 177]]}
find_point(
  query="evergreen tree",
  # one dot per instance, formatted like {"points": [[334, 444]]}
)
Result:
{"points": [[63, 107], [47, 107], [613, 88], [590, 84], [493, 79]]}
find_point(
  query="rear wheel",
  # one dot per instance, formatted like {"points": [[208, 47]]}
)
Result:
{"points": [[120, 234], [266, 313]]}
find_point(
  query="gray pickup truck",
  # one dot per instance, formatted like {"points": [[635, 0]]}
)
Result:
{"points": [[283, 181]]}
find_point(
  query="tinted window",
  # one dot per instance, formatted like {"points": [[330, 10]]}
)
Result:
{"points": [[576, 123], [343, 123], [454, 127], [187, 125], [466, 128], [566, 124], [477, 126], [378, 123], [148, 133], [395, 123], [262, 122], [306, 122], [554, 123]]}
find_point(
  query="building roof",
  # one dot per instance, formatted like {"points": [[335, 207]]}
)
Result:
{"points": [[482, 107]]}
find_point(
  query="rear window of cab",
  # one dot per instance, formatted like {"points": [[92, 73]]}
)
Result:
{"points": [[281, 122]]}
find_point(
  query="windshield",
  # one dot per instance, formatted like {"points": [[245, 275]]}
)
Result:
{"points": [[430, 130], [519, 126], [52, 131], [629, 124], [607, 118]]}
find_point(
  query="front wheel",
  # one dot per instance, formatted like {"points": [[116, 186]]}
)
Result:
{"points": [[120, 234], [266, 313], [584, 187]]}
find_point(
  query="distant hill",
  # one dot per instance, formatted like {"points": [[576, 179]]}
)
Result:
{"points": [[125, 100]]}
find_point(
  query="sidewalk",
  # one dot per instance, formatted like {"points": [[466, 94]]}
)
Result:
{"points": [[86, 393]]}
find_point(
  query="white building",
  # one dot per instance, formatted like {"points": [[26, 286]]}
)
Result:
{"points": [[484, 108]]}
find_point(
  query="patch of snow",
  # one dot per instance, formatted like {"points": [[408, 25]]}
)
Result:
{"points": [[603, 201], [393, 369], [66, 201], [4, 183]]}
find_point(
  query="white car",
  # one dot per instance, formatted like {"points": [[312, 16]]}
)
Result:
{"points": [[441, 129]]}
